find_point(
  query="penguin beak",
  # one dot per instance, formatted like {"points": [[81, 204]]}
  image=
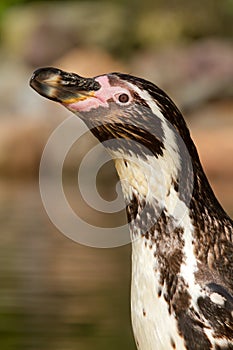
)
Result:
{"points": [[61, 86]]}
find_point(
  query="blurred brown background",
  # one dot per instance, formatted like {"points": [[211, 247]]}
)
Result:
{"points": [[54, 293]]}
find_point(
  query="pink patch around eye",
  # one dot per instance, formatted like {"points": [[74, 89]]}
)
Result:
{"points": [[107, 91], [100, 98]]}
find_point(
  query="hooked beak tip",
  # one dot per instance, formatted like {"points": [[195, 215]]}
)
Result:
{"points": [[47, 75]]}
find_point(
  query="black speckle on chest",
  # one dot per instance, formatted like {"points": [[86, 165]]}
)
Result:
{"points": [[134, 207], [219, 317], [169, 254], [159, 231], [192, 329]]}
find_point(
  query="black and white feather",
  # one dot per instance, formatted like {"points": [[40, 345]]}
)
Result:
{"points": [[182, 240]]}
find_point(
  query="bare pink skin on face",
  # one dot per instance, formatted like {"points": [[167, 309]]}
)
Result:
{"points": [[100, 98]]}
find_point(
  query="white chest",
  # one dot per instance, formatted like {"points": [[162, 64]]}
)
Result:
{"points": [[154, 328]]}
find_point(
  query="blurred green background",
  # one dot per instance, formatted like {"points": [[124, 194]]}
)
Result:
{"points": [[54, 293]]}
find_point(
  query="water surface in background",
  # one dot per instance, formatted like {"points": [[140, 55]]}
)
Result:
{"points": [[56, 294]]}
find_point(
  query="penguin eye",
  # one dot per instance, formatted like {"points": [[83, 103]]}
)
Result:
{"points": [[123, 98]]}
